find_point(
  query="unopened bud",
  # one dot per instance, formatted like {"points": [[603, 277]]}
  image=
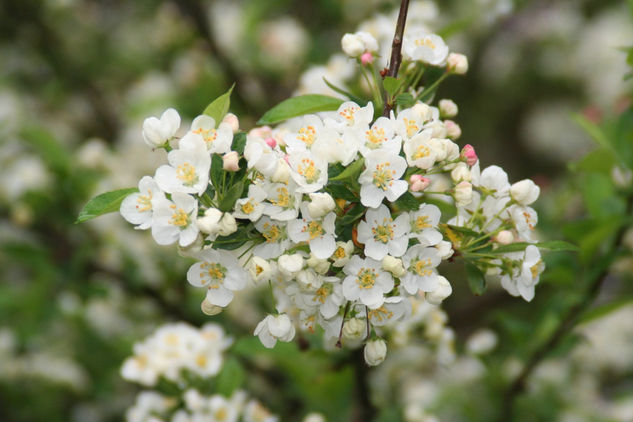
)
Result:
{"points": [[209, 309], [504, 237], [468, 155], [366, 58], [230, 161], [457, 63], [375, 352], [448, 108], [232, 120], [418, 182], [453, 130]]}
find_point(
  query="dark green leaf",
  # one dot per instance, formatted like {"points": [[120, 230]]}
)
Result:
{"points": [[239, 141], [339, 191], [341, 91], [552, 245], [463, 230], [103, 204], [231, 377], [407, 202], [220, 106], [476, 280], [352, 215], [217, 172], [232, 195], [298, 106], [352, 171]]}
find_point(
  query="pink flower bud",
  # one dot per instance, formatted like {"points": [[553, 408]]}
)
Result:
{"points": [[231, 161], [261, 132], [468, 154], [419, 183], [232, 120], [271, 142], [453, 131], [366, 58]]}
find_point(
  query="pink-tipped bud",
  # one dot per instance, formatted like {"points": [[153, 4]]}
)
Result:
{"points": [[261, 132], [504, 237], [231, 161], [468, 154], [366, 58], [419, 183], [271, 142], [232, 120], [453, 131]]}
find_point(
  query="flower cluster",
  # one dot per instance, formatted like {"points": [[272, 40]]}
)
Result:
{"points": [[345, 214]]}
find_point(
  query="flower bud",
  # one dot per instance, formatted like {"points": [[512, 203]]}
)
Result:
{"points": [[290, 265], [210, 309], [209, 222], [442, 291], [314, 417], [230, 161], [259, 269], [481, 342], [444, 249], [448, 108], [504, 237], [156, 132], [309, 281], [393, 265], [418, 182], [461, 173], [453, 130], [352, 45], [375, 352], [261, 132], [354, 329], [232, 120], [424, 111], [271, 142], [525, 192], [282, 172], [227, 224], [468, 155], [366, 58], [343, 252], [463, 193], [320, 204], [273, 328], [321, 266], [457, 63]]}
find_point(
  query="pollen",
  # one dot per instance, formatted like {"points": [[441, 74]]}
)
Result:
{"points": [[383, 233], [271, 233], [248, 207], [209, 135], [366, 278], [308, 170], [381, 314], [307, 135], [144, 202], [425, 42], [410, 126], [421, 267], [383, 176], [421, 223], [375, 137], [339, 253], [321, 294], [283, 198], [348, 114], [314, 229], [421, 151], [179, 218], [215, 271], [186, 173]]}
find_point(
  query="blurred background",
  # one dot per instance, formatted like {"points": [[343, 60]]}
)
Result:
{"points": [[77, 79]]}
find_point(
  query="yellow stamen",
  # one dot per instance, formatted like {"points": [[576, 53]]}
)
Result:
{"points": [[179, 218], [187, 174], [366, 278]]}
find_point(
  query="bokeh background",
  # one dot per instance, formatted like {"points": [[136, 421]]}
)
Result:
{"points": [[77, 79]]}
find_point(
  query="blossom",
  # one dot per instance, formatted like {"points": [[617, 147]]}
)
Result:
{"points": [[156, 132], [420, 262], [137, 208], [328, 297], [495, 180], [383, 235], [448, 108], [366, 281], [419, 151], [381, 178], [260, 156], [393, 309], [175, 220], [308, 170], [351, 115], [375, 352], [318, 232], [381, 136], [283, 200], [457, 63], [220, 272], [188, 169], [463, 193], [424, 47], [343, 253], [442, 291], [276, 238], [356, 44], [524, 192], [306, 136], [216, 140], [230, 161], [251, 207], [273, 328], [320, 204]]}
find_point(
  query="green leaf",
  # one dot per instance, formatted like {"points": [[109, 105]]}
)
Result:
{"points": [[340, 191], [220, 106], [341, 91], [476, 279], [217, 173], [352, 171], [298, 106], [391, 85], [593, 130], [463, 230], [604, 310], [405, 100], [352, 215], [48, 148], [407, 202], [552, 245], [232, 195], [239, 141], [600, 160], [103, 204], [231, 377]]}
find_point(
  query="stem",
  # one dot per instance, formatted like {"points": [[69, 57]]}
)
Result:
{"points": [[430, 89], [365, 411], [567, 324], [396, 49]]}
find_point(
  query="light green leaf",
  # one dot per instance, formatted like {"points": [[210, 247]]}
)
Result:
{"points": [[351, 172], [298, 106], [220, 106], [593, 130], [405, 100], [600, 160], [552, 245], [476, 280], [103, 204], [230, 378], [391, 85]]}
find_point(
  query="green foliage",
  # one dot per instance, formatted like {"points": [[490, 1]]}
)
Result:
{"points": [[298, 106], [220, 106], [476, 280], [231, 377], [105, 203], [351, 172]]}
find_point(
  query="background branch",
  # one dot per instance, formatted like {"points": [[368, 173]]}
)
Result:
{"points": [[396, 49]]}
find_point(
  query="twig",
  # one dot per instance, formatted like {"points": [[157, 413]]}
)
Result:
{"points": [[517, 387], [396, 49], [365, 410]]}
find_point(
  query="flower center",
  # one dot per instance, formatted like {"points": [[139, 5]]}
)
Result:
{"points": [[308, 170], [248, 207], [410, 126], [421, 267], [348, 114], [314, 228], [322, 294], [179, 217], [209, 135], [375, 136], [339, 253], [534, 269], [366, 278], [421, 223], [307, 135], [187, 174], [283, 198], [380, 314], [425, 42], [421, 152], [383, 176], [144, 202], [383, 233], [272, 233]]}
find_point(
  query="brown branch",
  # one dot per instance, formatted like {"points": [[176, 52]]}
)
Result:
{"points": [[517, 387], [396, 49]]}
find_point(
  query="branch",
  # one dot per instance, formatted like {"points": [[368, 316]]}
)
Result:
{"points": [[517, 387], [396, 49], [365, 410]]}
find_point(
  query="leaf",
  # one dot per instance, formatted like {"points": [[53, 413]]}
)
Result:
{"points": [[220, 106], [407, 202], [405, 100], [232, 195], [217, 172], [593, 130], [476, 279], [48, 148], [600, 160], [339, 191], [298, 106], [552, 245], [352, 215], [103, 204], [462, 230], [232, 241], [391, 85], [352, 171], [341, 91], [239, 142], [231, 377]]}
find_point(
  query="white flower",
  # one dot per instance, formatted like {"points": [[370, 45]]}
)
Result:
{"points": [[424, 224], [366, 281], [444, 249], [328, 297], [525, 220], [260, 156], [216, 141], [448, 108], [188, 169], [284, 200], [251, 207], [381, 178], [209, 222], [259, 269], [382, 235], [273, 328], [356, 44], [393, 265], [424, 47], [421, 263], [276, 238], [334, 147], [290, 265], [281, 173], [442, 291], [354, 329], [531, 268], [461, 173], [375, 352], [319, 233], [463, 193], [227, 225], [175, 221], [320, 204], [319, 265], [419, 150], [495, 180], [307, 135], [137, 208], [524, 192], [156, 132], [343, 253], [308, 170], [394, 309], [220, 273], [351, 115], [457, 63], [381, 136]]}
